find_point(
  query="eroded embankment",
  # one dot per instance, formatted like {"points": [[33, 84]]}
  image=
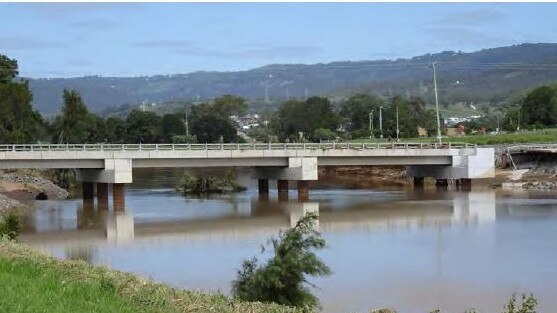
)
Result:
{"points": [[532, 170], [30, 185]]}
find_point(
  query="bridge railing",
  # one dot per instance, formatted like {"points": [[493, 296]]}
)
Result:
{"points": [[232, 146]]}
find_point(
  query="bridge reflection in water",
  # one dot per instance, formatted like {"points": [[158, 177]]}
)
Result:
{"points": [[263, 217], [259, 217]]}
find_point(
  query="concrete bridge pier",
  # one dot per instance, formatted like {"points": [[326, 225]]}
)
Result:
{"points": [[282, 188], [300, 169], [117, 172], [119, 197], [102, 196], [418, 182], [464, 184], [263, 186], [303, 190], [88, 190], [441, 183]]}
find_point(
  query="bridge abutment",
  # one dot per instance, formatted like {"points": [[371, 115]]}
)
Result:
{"points": [[464, 168]]}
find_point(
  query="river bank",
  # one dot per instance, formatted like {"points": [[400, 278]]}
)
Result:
{"points": [[19, 186], [36, 282]]}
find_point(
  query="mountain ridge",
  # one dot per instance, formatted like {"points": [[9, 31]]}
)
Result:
{"points": [[463, 77]]}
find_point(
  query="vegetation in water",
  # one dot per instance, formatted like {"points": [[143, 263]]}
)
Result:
{"points": [[283, 278], [207, 184], [10, 223]]}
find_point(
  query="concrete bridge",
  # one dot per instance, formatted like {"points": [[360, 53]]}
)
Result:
{"points": [[104, 164]]}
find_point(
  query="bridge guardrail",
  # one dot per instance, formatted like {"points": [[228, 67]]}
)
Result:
{"points": [[231, 146]]}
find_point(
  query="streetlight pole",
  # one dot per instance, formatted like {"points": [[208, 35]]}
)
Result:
{"points": [[380, 122], [434, 64]]}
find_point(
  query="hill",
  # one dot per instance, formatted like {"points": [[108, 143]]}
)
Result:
{"points": [[488, 75]]}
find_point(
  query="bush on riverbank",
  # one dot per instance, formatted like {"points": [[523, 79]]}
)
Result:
{"points": [[35, 282], [207, 184], [282, 279], [11, 222]]}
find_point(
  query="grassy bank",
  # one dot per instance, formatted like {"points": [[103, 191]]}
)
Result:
{"points": [[512, 138], [35, 282]]}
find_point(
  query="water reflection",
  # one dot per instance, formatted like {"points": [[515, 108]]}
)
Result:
{"points": [[389, 244], [256, 216]]}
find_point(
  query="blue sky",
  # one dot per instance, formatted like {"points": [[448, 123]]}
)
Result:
{"points": [[72, 39]]}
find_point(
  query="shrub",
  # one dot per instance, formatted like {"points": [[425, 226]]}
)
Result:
{"points": [[282, 279], [10, 224], [191, 184]]}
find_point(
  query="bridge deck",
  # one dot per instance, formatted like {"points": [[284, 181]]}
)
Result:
{"points": [[214, 155]]}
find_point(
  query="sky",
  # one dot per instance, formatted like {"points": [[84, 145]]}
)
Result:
{"points": [[135, 39]]}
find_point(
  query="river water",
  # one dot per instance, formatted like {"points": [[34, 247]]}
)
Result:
{"points": [[387, 247]]}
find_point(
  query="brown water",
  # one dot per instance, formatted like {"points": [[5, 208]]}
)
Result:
{"points": [[413, 251]]}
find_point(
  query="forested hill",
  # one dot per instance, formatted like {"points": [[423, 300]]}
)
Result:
{"points": [[486, 75]]}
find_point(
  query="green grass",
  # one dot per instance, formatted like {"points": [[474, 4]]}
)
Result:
{"points": [[512, 138], [35, 282]]}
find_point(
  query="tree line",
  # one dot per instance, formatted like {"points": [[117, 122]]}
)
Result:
{"points": [[313, 119]]}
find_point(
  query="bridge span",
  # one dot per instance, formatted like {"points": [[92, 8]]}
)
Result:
{"points": [[104, 164]]}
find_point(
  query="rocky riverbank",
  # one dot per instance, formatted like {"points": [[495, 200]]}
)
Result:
{"points": [[30, 185], [7, 204]]}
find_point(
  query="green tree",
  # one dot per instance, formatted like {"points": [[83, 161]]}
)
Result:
{"points": [[209, 128], [143, 127], [282, 279], [324, 134], [19, 123], [412, 113], [295, 116], [540, 106], [357, 108], [228, 105], [8, 69], [76, 124], [172, 125], [184, 139], [115, 130]]}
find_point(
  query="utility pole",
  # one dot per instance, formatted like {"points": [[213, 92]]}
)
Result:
{"points": [[186, 122], [518, 126], [370, 124], [380, 122], [434, 64], [397, 131]]}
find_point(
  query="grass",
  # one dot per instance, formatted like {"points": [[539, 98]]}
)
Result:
{"points": [[511, 138], [31, 281]]}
